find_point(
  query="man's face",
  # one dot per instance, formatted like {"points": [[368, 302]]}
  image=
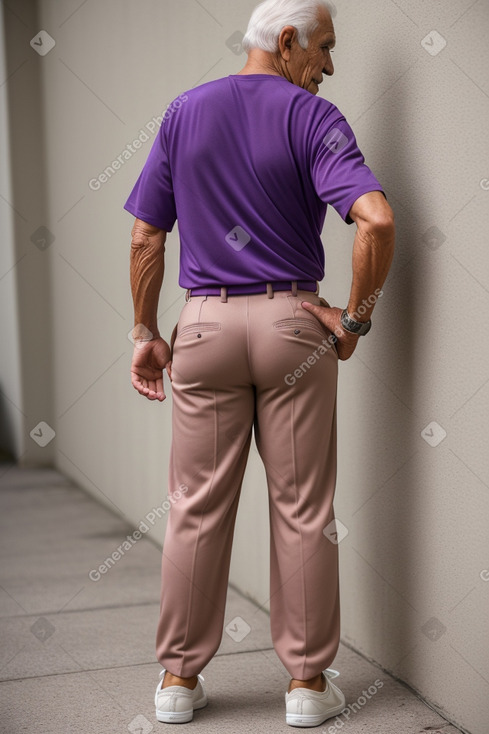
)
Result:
{"points": [[306, 66]]}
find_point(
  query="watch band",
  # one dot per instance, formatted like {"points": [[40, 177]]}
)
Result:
{"points": [[360, 328]]}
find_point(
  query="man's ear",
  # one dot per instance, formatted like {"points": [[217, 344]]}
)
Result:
{"points": [[287, 37]]}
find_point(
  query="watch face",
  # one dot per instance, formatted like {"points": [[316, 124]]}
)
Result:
{"points": [[355, 327], [348, 324]]}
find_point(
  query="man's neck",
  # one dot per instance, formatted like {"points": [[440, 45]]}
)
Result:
{"points": [[261, 62]]}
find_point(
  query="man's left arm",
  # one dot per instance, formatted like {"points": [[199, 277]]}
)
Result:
{"points": [[373, 250]]}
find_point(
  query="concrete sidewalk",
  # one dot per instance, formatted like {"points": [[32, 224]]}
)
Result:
{"points": [[78, 655]]}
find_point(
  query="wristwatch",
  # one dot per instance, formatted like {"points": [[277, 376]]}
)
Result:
{"points": [[360, 328]]}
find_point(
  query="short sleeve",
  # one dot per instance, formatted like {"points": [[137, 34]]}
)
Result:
{"points": [[152, 198], [339, 172]]}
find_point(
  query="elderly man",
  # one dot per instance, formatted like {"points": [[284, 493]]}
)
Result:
{"points": [[248, 165]]}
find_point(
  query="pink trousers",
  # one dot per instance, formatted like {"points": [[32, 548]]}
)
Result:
{"points": [[265, 363]]}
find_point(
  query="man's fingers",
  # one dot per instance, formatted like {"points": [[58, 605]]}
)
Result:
{"points": [[136, 382], [331, 319], [139, 385], [160, 390], [153, 390], [147, 367], [316, 310], [324, 314]]}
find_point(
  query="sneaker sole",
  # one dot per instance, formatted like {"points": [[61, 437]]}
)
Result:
{"points": [[312, 719], [179, 717]]}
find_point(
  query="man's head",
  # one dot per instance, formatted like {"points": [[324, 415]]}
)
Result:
{"points": [[297, 36]]}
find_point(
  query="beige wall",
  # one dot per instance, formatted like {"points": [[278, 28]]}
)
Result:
{"points": [[413, 561], [26, 400], [10, 382]]}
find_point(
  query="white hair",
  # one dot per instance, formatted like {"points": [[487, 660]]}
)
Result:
{"points": [[271, 16]]}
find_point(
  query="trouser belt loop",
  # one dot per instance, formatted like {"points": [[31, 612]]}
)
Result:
{"points": [[317, 287], [294, 288], [224, 294], [269, 290], [187, 295]]}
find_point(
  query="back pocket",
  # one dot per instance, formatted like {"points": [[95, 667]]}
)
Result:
{"points": [[199, 328], [298, 324]]}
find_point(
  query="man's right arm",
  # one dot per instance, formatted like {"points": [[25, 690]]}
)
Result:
{"points": [[151, 353], [147, 268]]}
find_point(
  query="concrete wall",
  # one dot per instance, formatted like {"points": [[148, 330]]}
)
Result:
{"points": [[10, 382], [413, 470], [26, 400]]}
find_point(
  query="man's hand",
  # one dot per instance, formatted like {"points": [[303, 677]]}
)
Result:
{"points": [[148, 362], [331, 319]]}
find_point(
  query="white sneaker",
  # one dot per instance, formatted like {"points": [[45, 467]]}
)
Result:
{"points": [[311, 708], [176, 704]]}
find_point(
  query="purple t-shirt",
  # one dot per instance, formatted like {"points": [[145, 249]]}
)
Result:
{"points": [[248, 165]]}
